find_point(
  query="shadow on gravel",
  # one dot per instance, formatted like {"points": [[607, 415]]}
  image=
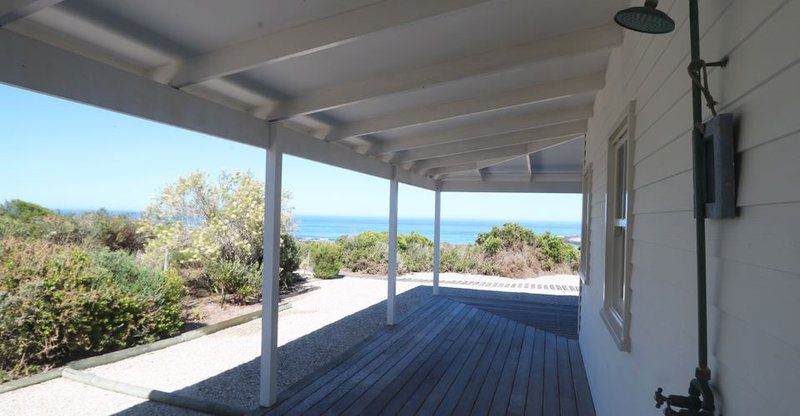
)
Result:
{"points": [[238, 387]]}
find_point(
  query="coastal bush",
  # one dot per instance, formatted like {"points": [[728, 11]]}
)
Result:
{"points": [[21, 219], [51, 227], [515, 263], [115, 232], [62, 302], [24, 211], [235, 278], [509, 236], [200, 223], [199, 219], [367, 252], [405, 241], [326, 259], [557, 254], [289, 260], [460, 259]]}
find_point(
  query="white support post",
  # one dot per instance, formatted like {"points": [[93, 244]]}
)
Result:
{"points": [[437, 226], [392, 275], [269, 288]]}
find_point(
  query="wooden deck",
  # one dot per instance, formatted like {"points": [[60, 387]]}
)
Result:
{"points": [[452, 356]]}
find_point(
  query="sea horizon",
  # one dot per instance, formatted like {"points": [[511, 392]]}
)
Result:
{"points": [[453, 231], [317, 227]]}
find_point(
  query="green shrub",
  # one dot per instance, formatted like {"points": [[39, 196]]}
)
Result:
{"points": [[116, 232], [326, 259], [55, 228], [406, 241], [367, 252], [491, 245], [24, 211], [289, 260], [20, 219], [236, 278], [507, 236], [460, 259], [59, 303], [555, 252]]}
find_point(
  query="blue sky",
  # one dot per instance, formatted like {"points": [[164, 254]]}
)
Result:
{"points": [[71, 156]]}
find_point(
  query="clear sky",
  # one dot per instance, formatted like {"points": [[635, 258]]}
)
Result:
{"points": [[65, 155]]}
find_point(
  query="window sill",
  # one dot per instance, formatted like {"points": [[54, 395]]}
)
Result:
{"points": [[617, 330]]}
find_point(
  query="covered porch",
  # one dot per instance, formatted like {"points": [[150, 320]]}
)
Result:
{"points": [[464, 352], [449, 96]]}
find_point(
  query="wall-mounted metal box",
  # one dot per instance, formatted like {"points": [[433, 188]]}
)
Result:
{"points": [[720, 152]]}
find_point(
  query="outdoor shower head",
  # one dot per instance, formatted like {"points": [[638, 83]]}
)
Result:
{"points": [[645, 19]]}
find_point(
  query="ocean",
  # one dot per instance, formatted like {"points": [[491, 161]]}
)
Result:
{"points": [[314, 227], [319, 227]]}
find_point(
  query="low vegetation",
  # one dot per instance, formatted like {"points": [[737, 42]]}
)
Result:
{"points": [[78, 285], [326, 259], [63, 301], [509, 250]]}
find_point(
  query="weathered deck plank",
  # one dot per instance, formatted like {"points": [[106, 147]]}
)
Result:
{"points": [[453, 358], [417, 388], [348, 391]]}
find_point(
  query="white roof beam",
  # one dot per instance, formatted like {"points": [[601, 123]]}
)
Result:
{"points": [[521, 96], [514, 151], [568, 130], [529, 165], [30, 65], [308, 38], [13, 10], [541, 177], [440, 172], [564, 46], [572, 187], [486, 128]]}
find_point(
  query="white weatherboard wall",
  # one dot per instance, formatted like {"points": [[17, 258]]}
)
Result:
{"points": [[754, 260]]}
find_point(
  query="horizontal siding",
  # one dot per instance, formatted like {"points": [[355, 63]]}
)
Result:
{"points": [[753, 263]]}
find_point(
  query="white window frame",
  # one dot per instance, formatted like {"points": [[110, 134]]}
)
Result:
{"points": [[586, 224], [616, 311]]}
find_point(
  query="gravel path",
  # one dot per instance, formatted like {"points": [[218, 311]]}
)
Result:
{"points": [[223, 367]]}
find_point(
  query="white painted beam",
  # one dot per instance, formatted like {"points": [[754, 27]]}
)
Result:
{"points": [[486, 128], [570, 130], [511, 186], [29, 64], [489, 154], [529, 165], [13, 10], [308, 38], [268, 390], [303, 145], [439, 173], [521, 96], [558, 47], [437, 227], [392, 273], [523, 177]]}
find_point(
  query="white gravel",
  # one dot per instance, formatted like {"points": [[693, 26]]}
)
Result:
{"points": [[223, 367]]}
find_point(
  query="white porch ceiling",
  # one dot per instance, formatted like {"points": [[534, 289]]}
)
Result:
{"points": [[474, 95]]}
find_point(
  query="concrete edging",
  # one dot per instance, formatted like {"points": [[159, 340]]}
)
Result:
{"points": [[115, 356], [173, 399]]}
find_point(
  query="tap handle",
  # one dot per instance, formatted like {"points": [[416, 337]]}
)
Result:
{"points": [[660, 398]]}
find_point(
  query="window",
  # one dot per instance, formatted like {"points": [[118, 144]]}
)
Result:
{"points": [[617, 291], [586, 223]]}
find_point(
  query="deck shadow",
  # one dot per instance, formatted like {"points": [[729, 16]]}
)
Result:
{"points": [[324, 348]]}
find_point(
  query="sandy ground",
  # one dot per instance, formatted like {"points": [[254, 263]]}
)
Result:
{"points": [[223, 367]]}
